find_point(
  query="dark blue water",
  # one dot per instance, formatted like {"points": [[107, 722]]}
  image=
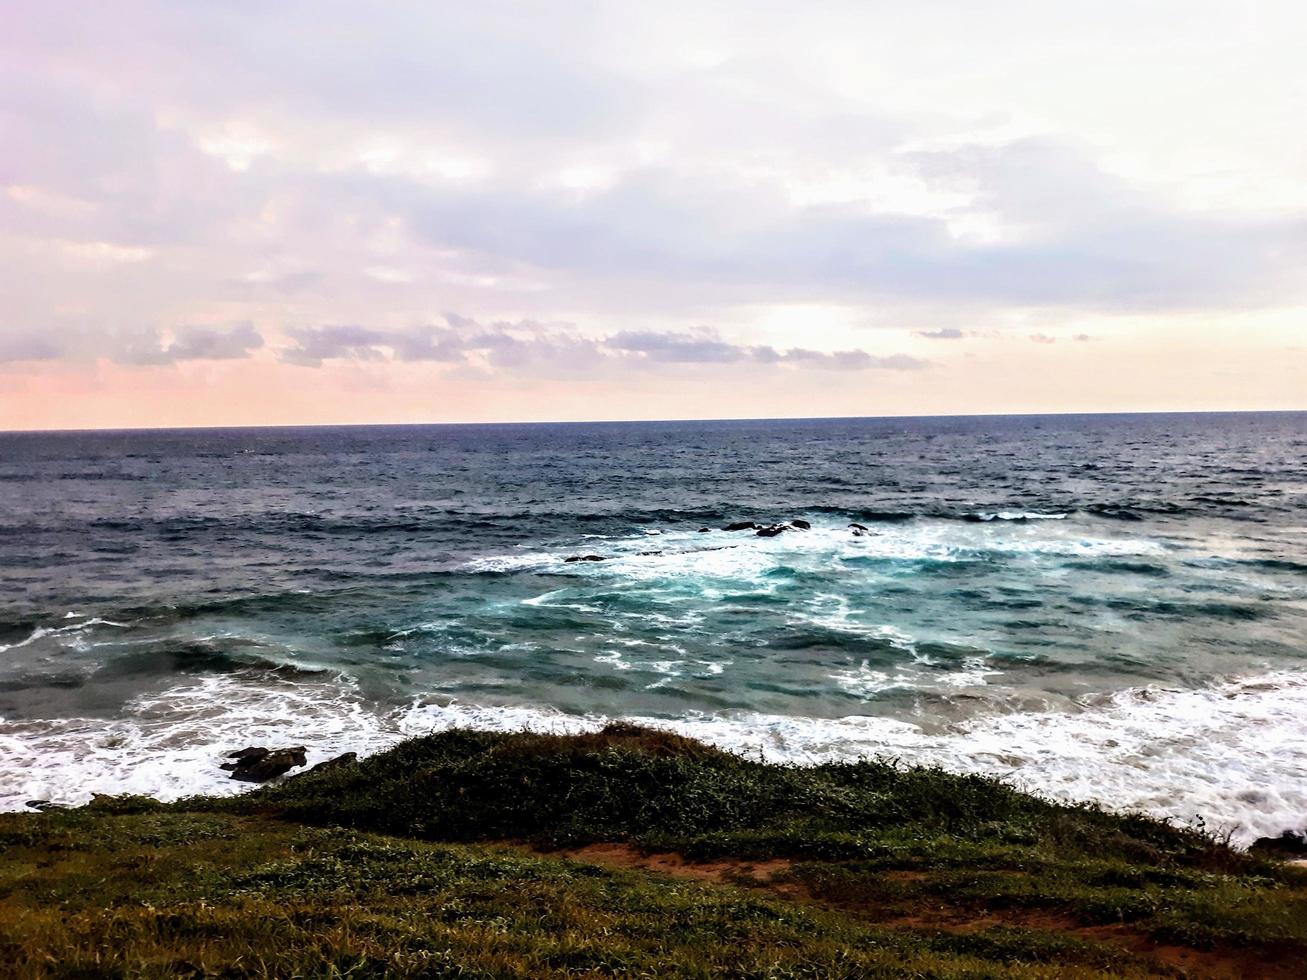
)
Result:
{"points": [[1110, 606]]}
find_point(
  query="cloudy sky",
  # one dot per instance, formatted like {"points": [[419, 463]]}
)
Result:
{"points": [[244, 212]]}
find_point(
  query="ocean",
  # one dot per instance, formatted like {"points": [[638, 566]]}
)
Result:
{"points": [[1107, 607]]}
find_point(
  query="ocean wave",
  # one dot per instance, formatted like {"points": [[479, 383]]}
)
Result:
{"points": [[1012, 515], [1232, 754], [727, 554], [40, 632], [1276, 564]]}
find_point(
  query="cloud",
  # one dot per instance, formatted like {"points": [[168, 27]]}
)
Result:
{"points": [[529, 344], [677, 348], [210, 344], [848, 360], [317, 344], [559, 163], [1043, 338], [140, 346], [29, 346]]}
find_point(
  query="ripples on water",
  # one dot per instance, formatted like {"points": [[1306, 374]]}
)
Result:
{"points": [[1110, 607]]}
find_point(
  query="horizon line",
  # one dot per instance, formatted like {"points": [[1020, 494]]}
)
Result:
{"points": [[660, 421]]}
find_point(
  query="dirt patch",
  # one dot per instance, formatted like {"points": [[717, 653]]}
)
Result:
{"points": [[732, 872], [770, 875]]}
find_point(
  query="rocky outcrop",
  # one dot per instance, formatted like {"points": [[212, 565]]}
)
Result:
{"points": [[1288, 844], [741, 526], [858, 529], [258, 764], [771, 530], [571, 558]]}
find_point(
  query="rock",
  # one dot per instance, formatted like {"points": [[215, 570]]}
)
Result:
{"points": [[858, 529], [772, 531], [258, 764], [244, 757], [801, 525], [704, 530], [44, 805], [741, 526], [571, 558], [1288, 844]]}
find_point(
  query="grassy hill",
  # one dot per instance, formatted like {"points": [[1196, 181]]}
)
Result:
{"points": [[632, 853]]}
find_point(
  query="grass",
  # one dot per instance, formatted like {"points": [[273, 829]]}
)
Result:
{"points": [[398, 866]]}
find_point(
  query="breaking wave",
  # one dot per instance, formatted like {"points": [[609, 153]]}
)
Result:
{"points": [[1233, 754]]}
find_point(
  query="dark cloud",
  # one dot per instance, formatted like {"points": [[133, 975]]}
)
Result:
{"points": [[210, 344], [144, 346], [947, 333], [677, 348], [141, 346], [526, 343], [29, 347], [317, 344]]}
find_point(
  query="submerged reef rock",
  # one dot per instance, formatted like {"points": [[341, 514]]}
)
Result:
{"points": [[257, 764], [571, 558], [741, 526], [704, 530], [800, 525], [858, 529], [772, 530]]}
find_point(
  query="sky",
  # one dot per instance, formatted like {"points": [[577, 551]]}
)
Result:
{"points": [[238, 212]]}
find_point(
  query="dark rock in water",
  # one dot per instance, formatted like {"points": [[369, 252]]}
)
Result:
{"points": [[858, 529], [1288, 844], [257, 764], [801, 525], [741, 526], [240, 755], [704, 530], [772, 531], [650, 553], [572, 558], [44, 805]]}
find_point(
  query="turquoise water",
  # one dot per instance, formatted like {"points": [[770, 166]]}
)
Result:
{"points": [[1095, 606]]}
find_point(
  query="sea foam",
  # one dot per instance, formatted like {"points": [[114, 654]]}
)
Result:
{"points": [[1232, 754]]}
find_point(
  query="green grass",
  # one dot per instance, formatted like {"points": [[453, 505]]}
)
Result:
{"points": [[397, 866], [661, 790]]}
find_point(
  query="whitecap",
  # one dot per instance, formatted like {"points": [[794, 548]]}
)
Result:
{"points": [[41, 632]]}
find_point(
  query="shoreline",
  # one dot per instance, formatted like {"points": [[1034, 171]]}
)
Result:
{"points": [[633, 845], [1216, 753]]}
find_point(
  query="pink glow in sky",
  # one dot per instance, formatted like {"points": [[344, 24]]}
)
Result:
{"points": [[232, 213]]}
